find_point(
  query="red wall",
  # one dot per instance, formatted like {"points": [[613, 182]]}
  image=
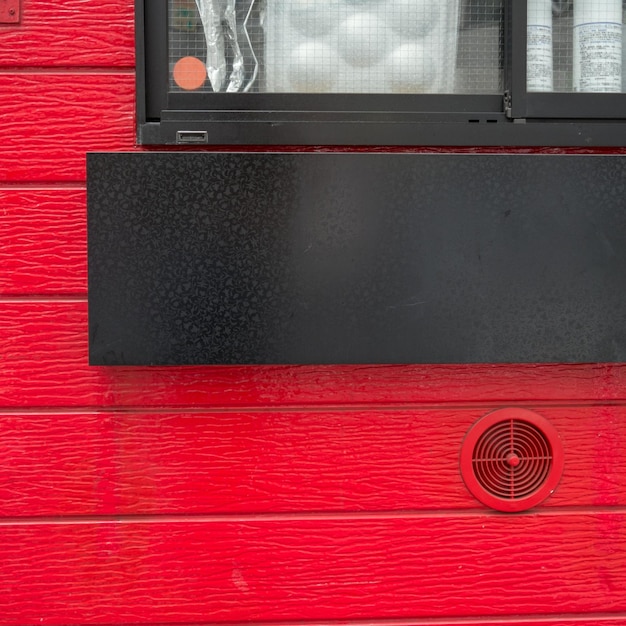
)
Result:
{"points": [[237, 494]]}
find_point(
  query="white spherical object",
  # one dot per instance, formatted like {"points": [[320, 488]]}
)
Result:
{"points": [[414, 18], [411, 70], [363, 39], [313, 19], [311, 68]]}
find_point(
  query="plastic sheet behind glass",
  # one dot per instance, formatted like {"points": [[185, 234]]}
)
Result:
{"points": [[395, 46], [586, 46], [336, 46]]}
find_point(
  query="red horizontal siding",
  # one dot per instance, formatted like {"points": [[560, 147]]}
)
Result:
{"points": [[70, 34], [278, 462], [187, 571], [43, 362], [50, 120], [240, 494], [43, 241]]}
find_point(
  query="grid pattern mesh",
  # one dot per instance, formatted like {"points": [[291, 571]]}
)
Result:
{"points": [[336, 46], [186, 36], [575, 46]]}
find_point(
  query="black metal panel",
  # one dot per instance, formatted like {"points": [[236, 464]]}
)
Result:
{"points": [[205, 258]]}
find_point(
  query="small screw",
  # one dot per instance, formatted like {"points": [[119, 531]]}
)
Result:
{"points": [[11, 11]]}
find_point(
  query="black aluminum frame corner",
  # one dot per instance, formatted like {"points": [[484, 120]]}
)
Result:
{"points": [[152, 68]]}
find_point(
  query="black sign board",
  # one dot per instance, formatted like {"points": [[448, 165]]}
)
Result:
{"points": [[253, 258]]}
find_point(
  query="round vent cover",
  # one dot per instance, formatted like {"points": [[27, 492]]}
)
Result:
{"points": [[511, 459]]}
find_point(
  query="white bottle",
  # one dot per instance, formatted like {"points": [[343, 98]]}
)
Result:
{"points": [[598, 45], [539, 62], [623, 48]]}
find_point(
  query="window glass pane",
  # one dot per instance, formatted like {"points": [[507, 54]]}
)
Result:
{"points": [[336, 46], [575, 46], [480, 47]]}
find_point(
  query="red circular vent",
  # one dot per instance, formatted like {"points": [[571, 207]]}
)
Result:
{"points": [[511, 459]]}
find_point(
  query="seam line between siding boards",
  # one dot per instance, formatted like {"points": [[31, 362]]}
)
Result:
{"points": [[237, 518], [209, 410], [70, 298], [561, 618], [43, 185]]}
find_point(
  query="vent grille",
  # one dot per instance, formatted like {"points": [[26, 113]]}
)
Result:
{"points": [[511, 459]]}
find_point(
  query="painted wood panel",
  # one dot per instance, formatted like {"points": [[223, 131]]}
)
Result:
{"points": [[98, 33], [313, 568], [280, 494], [68, 464], [43, 241], [43, 363], [50, 120]]}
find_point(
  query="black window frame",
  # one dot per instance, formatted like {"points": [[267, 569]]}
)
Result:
{"points": [[512, 118]]}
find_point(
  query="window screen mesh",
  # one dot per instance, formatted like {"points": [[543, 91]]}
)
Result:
{"points": [[336, 46]]}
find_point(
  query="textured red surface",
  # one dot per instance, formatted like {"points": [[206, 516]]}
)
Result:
{"points": [[77, 34], [242, 494], [43, 241], [50, 120], [190, 570], [278, 461]]}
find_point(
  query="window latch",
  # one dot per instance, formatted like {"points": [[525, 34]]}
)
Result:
{"points": [[507, 103]]}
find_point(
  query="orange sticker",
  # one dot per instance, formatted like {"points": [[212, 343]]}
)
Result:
{"points": [[189, 73]]}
